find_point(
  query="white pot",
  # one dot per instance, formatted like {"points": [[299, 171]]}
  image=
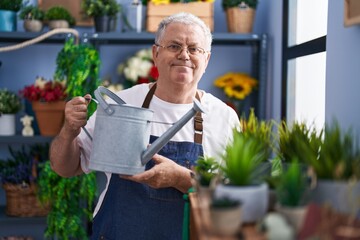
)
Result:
{"points": [[294, 215], [7, 124], [225, 221], [58, 24], [31, 25], [254, 199], [343, 196]]}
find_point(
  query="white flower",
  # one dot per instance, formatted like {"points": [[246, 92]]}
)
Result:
{"points": [[40, 82]]}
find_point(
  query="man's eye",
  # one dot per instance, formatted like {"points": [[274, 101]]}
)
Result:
{"points": [[174, 47], [193, 49]]}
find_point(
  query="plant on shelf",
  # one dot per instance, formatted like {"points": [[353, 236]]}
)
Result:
{"points": [[59, 17], [240, 15], [138, 69], [10, 104], [79, 65], [8, 17], [48, 102], [33, 17], [71, 200], [18, 176], [237, 88], [104, 13]]}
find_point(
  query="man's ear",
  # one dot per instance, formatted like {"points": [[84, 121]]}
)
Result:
{"points": [[155, 53]]}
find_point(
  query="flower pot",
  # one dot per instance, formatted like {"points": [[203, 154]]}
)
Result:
{"points": [[8, 21], [294, 215], [7, 124], [226, 221], [254, 198], [240, 19], [58, 24], [105, 24], [49, 116], [31, 25]]}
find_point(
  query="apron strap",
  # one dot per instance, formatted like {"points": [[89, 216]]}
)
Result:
{"points": [[198, 120]]}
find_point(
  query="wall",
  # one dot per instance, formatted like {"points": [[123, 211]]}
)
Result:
{"points": [[343, 69]]}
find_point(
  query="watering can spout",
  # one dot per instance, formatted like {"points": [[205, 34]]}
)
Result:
{"points": [[165, 138]]}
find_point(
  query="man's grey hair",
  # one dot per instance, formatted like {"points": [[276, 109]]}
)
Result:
{"points": [[184, 18]]}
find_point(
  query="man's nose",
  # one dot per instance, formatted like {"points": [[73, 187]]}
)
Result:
{"points": [[184, 54]]}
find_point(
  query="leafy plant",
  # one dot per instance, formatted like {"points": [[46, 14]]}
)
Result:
{"points": [[339, 155], [32, 12], [96, 8], [59, 13], [292, 186], [11, 5], [71, 201], [9, 102], [79, 65], [236, 3], [206, 169], [242, 158]]}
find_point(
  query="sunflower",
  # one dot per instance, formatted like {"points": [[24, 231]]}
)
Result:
{"points": [[236, 85]]}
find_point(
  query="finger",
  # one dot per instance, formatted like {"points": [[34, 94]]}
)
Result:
{"points": [[141, 177], [158, 158], [88, 99]]}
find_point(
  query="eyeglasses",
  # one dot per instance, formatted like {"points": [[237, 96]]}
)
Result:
{"points": [[176, 48]]}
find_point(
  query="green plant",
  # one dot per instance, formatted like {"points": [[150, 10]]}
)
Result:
{"points": [[96, 8], [71, 201], [59, 13], [11, 5], [206, 169], [298, 141], [242, 158], [10, 103], [32, 12], [236, 3], [339, 155], [79, 65], [292, 186]]}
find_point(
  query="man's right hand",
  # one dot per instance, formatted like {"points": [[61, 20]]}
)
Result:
{"points": [[76, 114]]}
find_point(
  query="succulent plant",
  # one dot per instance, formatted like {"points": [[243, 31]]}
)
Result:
{"points": [[10, 102]]}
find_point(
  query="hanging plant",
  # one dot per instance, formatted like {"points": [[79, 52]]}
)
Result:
{"points": [[79, 65]]}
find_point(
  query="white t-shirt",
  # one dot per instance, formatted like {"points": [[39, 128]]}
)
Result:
{"points": [[218, 123]]}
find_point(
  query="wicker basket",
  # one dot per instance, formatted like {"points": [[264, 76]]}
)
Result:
{"points": [[240, 19], [21, 201]]}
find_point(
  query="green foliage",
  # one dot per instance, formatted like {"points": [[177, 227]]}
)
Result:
{"points": [[298, 141], [206, 169], [32, 12], [242, 158], [11, 5], [59, 13], [339, 156], [96, 8], [235, 3], [292, 186], [224, 203], [79, 65], [10, 102], [71, 201]]}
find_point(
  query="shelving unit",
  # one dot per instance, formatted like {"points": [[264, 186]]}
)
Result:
{"points": [[258, 44]]}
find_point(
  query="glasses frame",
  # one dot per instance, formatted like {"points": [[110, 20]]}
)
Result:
{"points": [[203, 51]]}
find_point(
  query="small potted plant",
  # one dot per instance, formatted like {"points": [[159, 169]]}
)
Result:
{"points": [[10, 104], [59, 17], [8, 11], [240, 15], [104, 13], [48, 102], [33, 18]]}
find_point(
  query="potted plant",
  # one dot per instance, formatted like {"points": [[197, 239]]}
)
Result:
{"points": [[59, 17], [10, 104], [240, 15], [337, 168], [104, 13], [48, 102], [8, 11], [18, 175], [33, 18], [292, 191]]}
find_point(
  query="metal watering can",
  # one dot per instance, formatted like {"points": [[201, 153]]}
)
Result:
{"points": [[122, 133]]}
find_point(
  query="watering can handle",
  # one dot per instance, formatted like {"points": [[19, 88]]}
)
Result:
{"points": [[103, 103]]}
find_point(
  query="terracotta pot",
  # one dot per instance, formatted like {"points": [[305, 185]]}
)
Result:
{"points": [[49, 116], [240, 19]]}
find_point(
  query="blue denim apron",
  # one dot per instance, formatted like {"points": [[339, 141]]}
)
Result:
{"points": [[132, 210]]}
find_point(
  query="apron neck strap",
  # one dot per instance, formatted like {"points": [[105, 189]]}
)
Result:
{"points": [[198, 120]]}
